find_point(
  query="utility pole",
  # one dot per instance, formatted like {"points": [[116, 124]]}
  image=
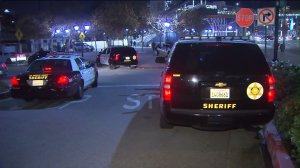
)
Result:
{"points": [[276, 31]]}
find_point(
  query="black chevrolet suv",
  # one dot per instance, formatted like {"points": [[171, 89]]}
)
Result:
{"points": [[216, 84]]}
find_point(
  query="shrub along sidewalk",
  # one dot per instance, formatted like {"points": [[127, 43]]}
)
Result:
{"points": [[287, 114]]}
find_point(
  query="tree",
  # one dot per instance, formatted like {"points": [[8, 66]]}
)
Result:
{"points": [[114, 17], [33, 28], [192, 19]]}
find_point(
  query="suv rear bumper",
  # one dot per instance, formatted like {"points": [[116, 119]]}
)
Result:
{"points": [[216, 118]]}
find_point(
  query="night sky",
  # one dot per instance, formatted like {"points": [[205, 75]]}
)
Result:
{"points": [[69, 8], [85, 8]]}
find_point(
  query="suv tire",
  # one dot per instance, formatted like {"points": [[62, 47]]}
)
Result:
{"points": [[112, 66], [164, 124]]}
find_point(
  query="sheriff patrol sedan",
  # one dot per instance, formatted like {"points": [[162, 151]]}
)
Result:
{"points": [[62, 76], [216, 85]]}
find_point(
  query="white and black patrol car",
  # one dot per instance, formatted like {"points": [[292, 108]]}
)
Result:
{"points": [[216, 84], [59, 76]]}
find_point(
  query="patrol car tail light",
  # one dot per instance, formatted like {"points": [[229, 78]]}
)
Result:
{"points": [[15, 82], [271, 91], [117, 57], [167, 88], [63, 80]]}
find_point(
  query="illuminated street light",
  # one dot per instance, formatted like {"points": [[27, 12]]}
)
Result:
{"points": [[57, 31], [76, 28], [87, 27], [67, 31], [166, 24], [237, 4], [230, 27], [6, 11]]}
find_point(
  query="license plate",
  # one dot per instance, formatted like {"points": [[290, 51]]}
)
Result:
{"points": [[37, 82], [38, 76], [219, 93], [127, 58]]}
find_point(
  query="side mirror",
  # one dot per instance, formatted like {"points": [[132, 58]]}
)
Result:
{"points": [[160, 60]]}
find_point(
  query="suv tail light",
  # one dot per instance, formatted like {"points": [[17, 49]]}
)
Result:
{"points": [[167, 88], [271, 91], [62, 80], [137, 56], [47, 69], [15, 82], [117, 57]]}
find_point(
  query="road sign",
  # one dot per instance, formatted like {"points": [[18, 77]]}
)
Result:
{"points": [[265, 16], [19, 34], [81, 36], [244, 17]]}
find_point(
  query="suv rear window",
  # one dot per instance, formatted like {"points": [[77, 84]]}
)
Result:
{"points": [[229, 58], [57, 65], [123, 50]]}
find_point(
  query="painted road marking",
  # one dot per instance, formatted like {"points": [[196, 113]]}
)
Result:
{"points": [[139, 85], [85, 98]]}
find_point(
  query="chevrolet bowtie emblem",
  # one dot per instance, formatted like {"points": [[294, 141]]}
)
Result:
{"points": [[221, 84]]}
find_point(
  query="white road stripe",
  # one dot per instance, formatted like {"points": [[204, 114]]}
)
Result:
{"points": [[85, 98], [113, 86]]}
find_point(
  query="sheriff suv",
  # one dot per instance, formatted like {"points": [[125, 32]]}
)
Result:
{"points": [[59, 76], [216, 84], [116, 56]]}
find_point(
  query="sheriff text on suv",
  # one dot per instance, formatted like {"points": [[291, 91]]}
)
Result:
{"points": [[216, 84]]}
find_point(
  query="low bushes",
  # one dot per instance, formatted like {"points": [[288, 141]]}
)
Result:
{"points": [[287, 115]]}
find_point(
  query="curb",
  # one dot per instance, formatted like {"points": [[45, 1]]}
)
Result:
{"points": [[278, 153]]}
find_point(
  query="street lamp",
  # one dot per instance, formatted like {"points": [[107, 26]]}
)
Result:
{"points": [[6, 11], [87, 28], [83, 29], [126, 35]]}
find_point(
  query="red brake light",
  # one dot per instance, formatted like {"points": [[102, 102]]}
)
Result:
{"points": [[137, 56], [167, 88], [47, 69], [271, 91], [271, 80], [271, 96], [15, 82], [117, 57], [63, 80]]}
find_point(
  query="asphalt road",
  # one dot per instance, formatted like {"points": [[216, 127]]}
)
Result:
{"points": [[115, 125]]}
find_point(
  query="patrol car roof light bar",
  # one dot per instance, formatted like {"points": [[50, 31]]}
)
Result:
{"points": [[218, 38]]}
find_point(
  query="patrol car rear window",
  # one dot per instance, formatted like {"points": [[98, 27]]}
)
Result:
{"points": [[232, 58], [57, 65]]}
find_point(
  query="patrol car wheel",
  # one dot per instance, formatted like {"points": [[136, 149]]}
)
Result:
{"points": [[79, 93], [164, 124], [95, 83], [98, 63]]}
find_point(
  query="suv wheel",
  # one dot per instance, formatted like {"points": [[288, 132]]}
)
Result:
{"points": [[112, 66], [133, 66], [164, 124]]}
